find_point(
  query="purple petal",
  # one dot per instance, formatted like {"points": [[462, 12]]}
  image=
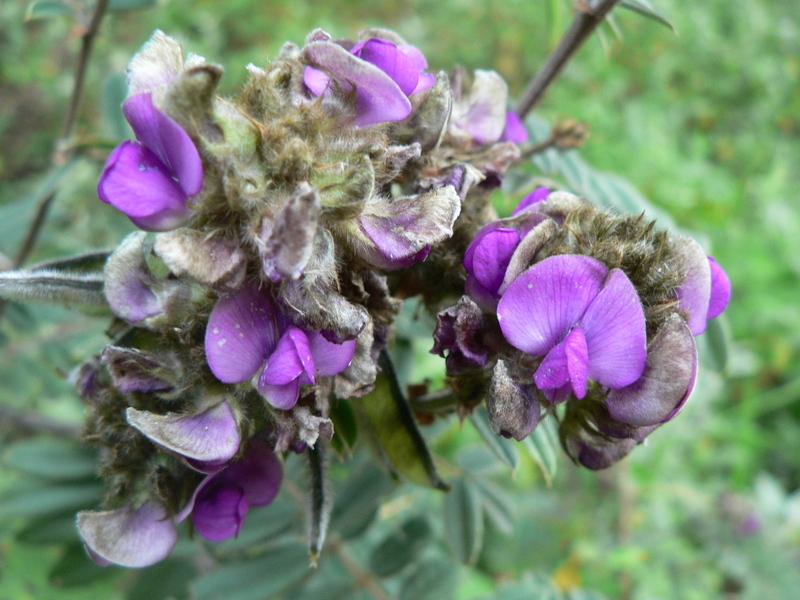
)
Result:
{"points": [[316, 80], [386, 56], [720, 289], [567, 362], [211, 436], [259, 473], [515, 129], [330, 358], [131, 538], [167, 140], [284, 396], [598, 453], [488, 255], [667, 380], [537, 195], [379, 97], [292, 359], [219, 512], [615, 333], [695, 291], [135, 371], [242, 332], [541, 306], [136, 182], [415, 55]]}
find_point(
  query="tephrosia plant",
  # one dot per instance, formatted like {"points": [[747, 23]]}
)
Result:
{"points": [[279, 233]]}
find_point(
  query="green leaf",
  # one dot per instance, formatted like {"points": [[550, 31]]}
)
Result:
{"points": [[74, 568], [263, 523], [49, 500], [643, 7], [48, 9], [357, 500], [50, 530], [167, 580], [463, 521], [51, 458], [497, 506], [122, 5], [400, 548], [394, 432], [505, 450], [430, 580], [278, 569], [72, 289], [716, 338], [86, 262], [542, 445], [115, 90], [345, 427]]}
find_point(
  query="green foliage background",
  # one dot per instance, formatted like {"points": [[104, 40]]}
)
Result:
{"points": [[706, 124]]}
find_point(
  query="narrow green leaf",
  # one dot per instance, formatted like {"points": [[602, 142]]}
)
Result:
{"points": [[91, 262], [505, 450], [50, 500], [71, 289], [48, 9], [74, 568], [463, 521], [542, 445], [394, 431], [643, 7], [50, 530], [167, 580], [278, 569], [357, 500], [716, 338], [400, 548], [345, 427], [430, 580], [497, 506], [51, 458]]}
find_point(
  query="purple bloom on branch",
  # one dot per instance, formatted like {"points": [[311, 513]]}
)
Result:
{"points": [[586, 321], [152, 178], [383, 74], [247, 336], [515, 129]]}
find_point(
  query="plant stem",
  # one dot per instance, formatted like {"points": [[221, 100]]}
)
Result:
{"points": [[585, 22], [363, 579]]}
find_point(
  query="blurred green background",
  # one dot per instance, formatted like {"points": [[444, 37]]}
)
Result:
{"points": [[705, 123]]}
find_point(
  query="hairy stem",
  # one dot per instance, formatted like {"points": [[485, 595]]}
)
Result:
{"points": [[589, 16]]}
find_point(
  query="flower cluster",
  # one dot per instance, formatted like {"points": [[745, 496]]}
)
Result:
{"points": [[257, 292], [568, 304]]}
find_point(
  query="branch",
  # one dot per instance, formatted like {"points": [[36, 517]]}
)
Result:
{"points": [[363, 579], [586, 21]]}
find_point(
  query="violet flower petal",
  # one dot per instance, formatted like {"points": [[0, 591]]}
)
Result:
{"points": [[219, 512], [317, 81], [615, 333], [292, 359], [330, 358], [541, 306], [258, 473], [720, 289], [167, 140], [379, 97], [695, 291], [515, 130], [131, 538], [136, 182], [283, 396], [127, 281], [389, 59], [667, 380], [242, 331], [536, 196], [211, 436], [567, 362], [488, 256]]}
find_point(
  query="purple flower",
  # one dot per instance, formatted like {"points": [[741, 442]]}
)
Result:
{"points": [[222, 499], [706, 291], [383, 74], [586, 321], [515, 129], [247, 335], [152, 178], [126, 536], [538, 195]]}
